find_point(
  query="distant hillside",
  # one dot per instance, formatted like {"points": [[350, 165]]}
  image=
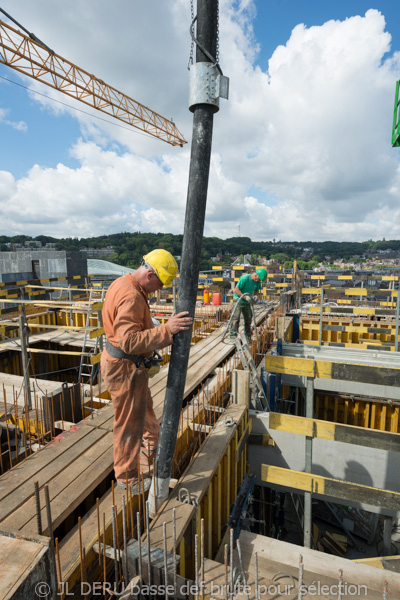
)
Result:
{"points": [[128, 248]]}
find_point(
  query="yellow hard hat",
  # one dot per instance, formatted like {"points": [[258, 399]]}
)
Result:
{"points": [[163, 264]]}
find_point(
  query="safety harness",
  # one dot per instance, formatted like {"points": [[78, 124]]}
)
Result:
{"points": [[137, 359]]}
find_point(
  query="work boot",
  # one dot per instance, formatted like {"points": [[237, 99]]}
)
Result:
{"points": [[134, 487]]}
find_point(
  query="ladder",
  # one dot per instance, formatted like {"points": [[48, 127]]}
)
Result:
{"points": [[85, 367], [248, 363]]}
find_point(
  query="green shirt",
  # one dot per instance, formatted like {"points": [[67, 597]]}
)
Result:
{"points": [[247, 286]]}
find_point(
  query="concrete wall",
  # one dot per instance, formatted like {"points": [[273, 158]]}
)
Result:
{"points": [[16, 266]]}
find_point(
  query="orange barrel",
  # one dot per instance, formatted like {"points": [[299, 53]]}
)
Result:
{"points": [[207, 296], [217, 299]]}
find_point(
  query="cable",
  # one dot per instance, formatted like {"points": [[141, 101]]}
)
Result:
{"points": [[233, 312], [59, 371], [72, 107], [31, 35]]}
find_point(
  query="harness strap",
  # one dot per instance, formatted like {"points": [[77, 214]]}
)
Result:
{"points": [[118, 353]]}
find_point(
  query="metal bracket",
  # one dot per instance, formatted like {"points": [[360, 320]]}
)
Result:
{"points": [[206, 85], [229, 421], [185, 497]]}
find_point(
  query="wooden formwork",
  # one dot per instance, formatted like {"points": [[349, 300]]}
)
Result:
{"points": [[349, 332], [77, 468], [372, 413]]}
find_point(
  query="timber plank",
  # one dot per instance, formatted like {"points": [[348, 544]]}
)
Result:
{"points": [[32, 465], [197, 477], [196, 351], [69, 553], [17, 556], [47, 473], [68, 489], [196, 374], [317, 565], [66, 502]]}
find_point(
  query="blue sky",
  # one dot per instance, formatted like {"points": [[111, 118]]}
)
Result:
{"points": [[276, 18], [41, 142], [301, 150]]}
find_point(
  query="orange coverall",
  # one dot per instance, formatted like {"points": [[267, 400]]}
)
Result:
{"points": [[128, 325]]}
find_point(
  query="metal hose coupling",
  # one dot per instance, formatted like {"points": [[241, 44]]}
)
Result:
{"points": [[161, 489]]}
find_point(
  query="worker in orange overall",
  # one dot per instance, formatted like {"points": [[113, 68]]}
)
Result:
{"points": [[131, 340]]}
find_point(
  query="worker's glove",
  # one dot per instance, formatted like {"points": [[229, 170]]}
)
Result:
{"points": [[254, 299], [153, 370], [153, 364]]}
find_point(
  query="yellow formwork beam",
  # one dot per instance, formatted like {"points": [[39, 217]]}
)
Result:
{"points": [[367, 344], [325, 369], [385, 328], [331, 309], [348, 291], [326, 486], [381, 562], [338, 432]]}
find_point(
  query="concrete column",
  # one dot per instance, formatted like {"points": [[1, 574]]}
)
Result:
{"points": [[396, 338], [241, 387], [387, 536], [320, 317], [308, 465], [25, 361]]}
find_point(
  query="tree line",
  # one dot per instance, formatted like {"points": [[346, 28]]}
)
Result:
{"points": [[129, 248]]}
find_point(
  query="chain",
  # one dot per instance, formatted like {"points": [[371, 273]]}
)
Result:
{"points": [[190, 62], [193, 20], [217, 43]]}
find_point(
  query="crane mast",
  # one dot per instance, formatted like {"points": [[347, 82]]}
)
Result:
{"points": [[29, 57]]}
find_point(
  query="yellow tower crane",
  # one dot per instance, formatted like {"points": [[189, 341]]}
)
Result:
{"points": [[31, 57]]}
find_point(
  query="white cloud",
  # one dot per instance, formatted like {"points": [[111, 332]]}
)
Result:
{"points": [[18, 125], [311, 135]]}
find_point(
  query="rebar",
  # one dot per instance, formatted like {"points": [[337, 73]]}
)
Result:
{"points": [[81, 550], [196, 567], [8, 434], [242, 569], [98, 528], [38, 512], [256, 575], [125, 537], [165, 559], [226, 571], [114, 544], [231, 561], [138, 530], [174, 548], [48, 512], [118, 544], [340, 596], [201, 555], [301, 574], [58, 563], [104, 549], [148, 541]]}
